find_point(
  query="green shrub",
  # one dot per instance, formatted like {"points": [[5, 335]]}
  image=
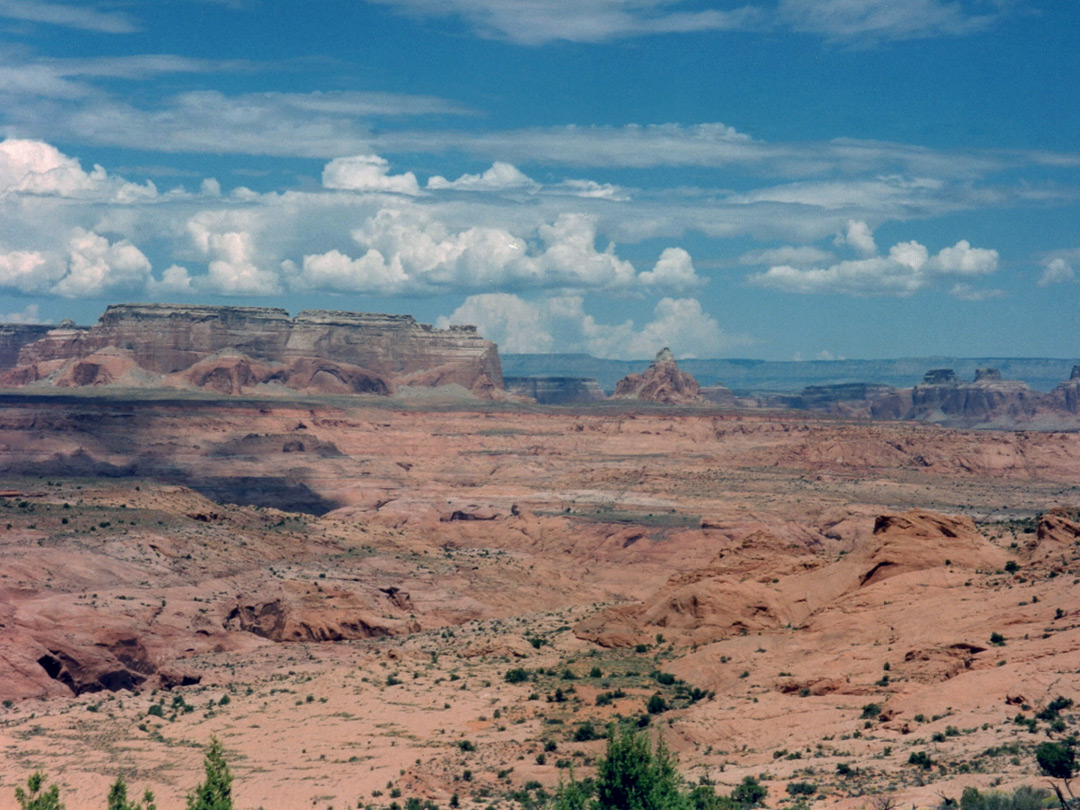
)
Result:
{"points": [[586, 732], [922, 759], [35, 797], [1056, 760], [1024, 798], [633, 776], [215, 793], [749, 792], [870, 711], [118, 799], [801, 788]]}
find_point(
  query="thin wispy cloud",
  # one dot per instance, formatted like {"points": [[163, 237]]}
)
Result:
{"points": [[868, 21], [538, 22], [586, 160], [84, 16]]}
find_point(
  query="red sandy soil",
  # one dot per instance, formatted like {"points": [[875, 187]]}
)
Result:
{"points": [[793, 570]]}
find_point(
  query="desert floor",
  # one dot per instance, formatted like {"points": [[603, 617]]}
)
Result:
{"points": [[381, 601]]}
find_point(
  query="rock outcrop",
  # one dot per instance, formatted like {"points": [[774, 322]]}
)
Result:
{"points": [[728, 598], [722, 395], [14, 336], [943, 398], [334, 615], [556, 390], [234, 349], [662, 382], [1067, 395]]}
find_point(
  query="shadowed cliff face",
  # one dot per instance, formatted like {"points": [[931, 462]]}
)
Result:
{"points": [[232, 349]]}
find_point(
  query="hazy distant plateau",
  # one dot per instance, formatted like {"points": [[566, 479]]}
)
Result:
{"points": [[757, 376]]}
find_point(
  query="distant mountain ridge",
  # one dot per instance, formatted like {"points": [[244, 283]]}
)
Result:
{"points": [[746, 376]]}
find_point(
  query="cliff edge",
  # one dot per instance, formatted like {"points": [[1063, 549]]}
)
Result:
{"points": [[236, 349]]}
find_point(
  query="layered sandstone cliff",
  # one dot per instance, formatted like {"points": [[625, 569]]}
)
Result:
{"points": [[233, 349], [943, 398]]}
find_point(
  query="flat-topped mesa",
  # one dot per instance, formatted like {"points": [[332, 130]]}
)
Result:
{"points": [[943, 397], [182, 335], [556, 390], [229, 349], [394, 344], [662, 382], [118, 314], [940, 376]]}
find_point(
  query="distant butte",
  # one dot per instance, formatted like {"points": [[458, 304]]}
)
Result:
{"points": [[662, 382], [231, 350]]}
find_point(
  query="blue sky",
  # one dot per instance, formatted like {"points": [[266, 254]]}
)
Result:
{"points": [[759, 178]]}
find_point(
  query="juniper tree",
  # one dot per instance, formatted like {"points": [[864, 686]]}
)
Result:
{"points": [[34, 798], [215, 793], [118, 798]]}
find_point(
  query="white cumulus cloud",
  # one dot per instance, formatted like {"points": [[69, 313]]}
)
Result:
{"points": [[674, 270], [963, 260], [500, 177], [408, 251], [907, 269], [175, 280], [231, 262], [28, 271], [96, 266], [38, 168], [367, 173], [560, 324], [1059, 267], [857, 235]]}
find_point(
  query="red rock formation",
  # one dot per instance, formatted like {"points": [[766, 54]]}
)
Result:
{"points": [[331, 615], [232, 349], [662, 382], [733, 596]]}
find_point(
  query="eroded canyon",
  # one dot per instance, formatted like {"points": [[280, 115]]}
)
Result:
{"points": [[369, 600]]}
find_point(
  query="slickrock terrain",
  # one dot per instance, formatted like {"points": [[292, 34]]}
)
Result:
{"points": [[662, 382], [368, 601], [231, 350]]}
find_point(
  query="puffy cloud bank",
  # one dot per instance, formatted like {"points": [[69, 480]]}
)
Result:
{"points": [[560, 324], [38, 168], [907, 268], [407, 251]]}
